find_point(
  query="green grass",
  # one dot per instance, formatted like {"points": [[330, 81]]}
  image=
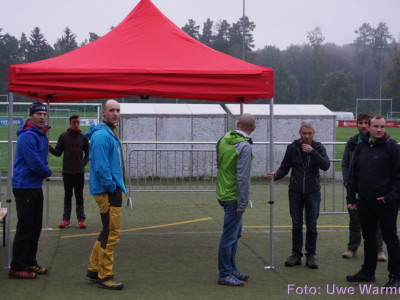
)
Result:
{"points": [[168, 250]]}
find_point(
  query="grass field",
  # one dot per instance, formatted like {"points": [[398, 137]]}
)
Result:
{"points": [[168, 250]]}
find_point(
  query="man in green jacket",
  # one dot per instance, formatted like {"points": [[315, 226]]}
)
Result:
{"points": [[234, 155]]}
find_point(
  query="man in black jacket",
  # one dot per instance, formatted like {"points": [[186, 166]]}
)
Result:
{"points": [[375, 176], [74, 144], [305, 157], [354, 223]]}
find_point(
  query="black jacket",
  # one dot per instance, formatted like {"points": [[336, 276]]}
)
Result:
{"points": [[73, 143], [348, 157], [305, 167], [375, 171]]}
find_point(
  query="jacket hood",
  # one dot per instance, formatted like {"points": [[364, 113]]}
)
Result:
{"points": [[234, 137], [30, 126], [93, 128]]}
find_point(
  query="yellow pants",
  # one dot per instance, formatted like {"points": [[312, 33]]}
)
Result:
{"points": [[102, 257]]}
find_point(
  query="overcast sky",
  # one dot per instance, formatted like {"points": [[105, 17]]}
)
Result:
{"points": [[278, 22]]}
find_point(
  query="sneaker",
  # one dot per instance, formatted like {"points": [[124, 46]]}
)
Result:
{"points": [[110, 283], [92, 276], [21, 274], [231, 281], [241, 276], [311, 262], [293, 260], [37, 269], [64, 224], [361, 276], [349, 254], [81, 224], [382, 256], [394, 281]]}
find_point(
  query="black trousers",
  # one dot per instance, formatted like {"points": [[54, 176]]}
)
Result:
{"points": [[373, 212], [355, 232], [73, 183], [29, 203]]}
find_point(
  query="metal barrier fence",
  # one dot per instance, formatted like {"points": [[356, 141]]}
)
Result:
{"points": [[194, 170]]}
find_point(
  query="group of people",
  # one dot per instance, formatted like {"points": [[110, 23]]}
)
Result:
{"points": [[371, 176], [106, 182]]}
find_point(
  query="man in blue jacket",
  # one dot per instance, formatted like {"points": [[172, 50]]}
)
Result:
{"points": [[107, 183], [30, 169], [305, 157]]}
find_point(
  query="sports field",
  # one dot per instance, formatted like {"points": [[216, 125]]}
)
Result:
{"points": [[168, 250], [169, 245]]}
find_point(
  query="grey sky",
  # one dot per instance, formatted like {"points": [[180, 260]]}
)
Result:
{"points": [[279, 22]]}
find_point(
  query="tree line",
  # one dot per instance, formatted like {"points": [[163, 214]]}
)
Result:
{"points": [[315, 72]]}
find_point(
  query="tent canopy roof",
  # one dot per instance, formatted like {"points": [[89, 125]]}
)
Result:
{"points": [[146, 55]]}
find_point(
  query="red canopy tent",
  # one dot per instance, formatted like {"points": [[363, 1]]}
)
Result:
{"points": [[146, 55]]}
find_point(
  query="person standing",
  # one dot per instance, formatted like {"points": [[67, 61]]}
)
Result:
{"points": [[234, 156], [73, 144], [305, 157], [30, 169], [107, 183], [375, 176], [354, 223]]}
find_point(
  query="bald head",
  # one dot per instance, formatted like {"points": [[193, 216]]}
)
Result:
{"points": [[111, 111], [246, 123]]}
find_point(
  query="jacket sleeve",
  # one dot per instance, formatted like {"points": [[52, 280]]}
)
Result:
{"points": [[101, 147], [60, 147], [351, 185], [320, 157], [346, 164], [286, 164], [394, 194], [33, 157], [243, 167], [85, 151]]}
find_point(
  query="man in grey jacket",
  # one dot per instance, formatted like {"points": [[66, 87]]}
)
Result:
{"points": [[305, 157]]}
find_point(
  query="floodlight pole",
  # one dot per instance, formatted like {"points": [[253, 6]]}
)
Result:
{"points": [[243, 31]]}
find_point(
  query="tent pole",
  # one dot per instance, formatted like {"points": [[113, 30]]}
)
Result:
{"points": [[271, 186], [9, 175], [48, 179]]}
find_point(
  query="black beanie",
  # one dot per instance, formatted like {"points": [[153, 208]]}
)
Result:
{"points": [[36, 106]]}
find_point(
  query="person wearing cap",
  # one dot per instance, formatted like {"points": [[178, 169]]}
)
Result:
{"points": [[30, 169]]}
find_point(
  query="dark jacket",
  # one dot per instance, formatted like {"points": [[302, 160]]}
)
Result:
{"points": [[375, 171], [30, 164], [348, 156], [305, 167], [74, 144]]}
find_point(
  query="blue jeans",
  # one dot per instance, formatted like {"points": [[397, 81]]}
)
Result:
{"points": [[229, 239], [310, 203]]}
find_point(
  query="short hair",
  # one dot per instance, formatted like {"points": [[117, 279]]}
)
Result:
{"points": [[378, 117], [307, 124], [246, 122], [74, 116], [363, 116]]}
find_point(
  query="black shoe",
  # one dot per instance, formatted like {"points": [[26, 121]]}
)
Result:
{"points": [[110, 283], [394, 281], [92, 276], [311, 262], [293, 260], [361, 276]]}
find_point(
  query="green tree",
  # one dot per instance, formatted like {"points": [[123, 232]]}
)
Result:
{"points": [[66, 43], [238, 30], [286, 86], [338, 91], [192, 29], [316, 39], [222, 38], [207, 37], [39, 49], [23, 48], [391, 86], [9, 55]]}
